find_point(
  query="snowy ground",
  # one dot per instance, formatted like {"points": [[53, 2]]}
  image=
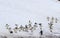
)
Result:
{"points": [[4, 35], [44, 36], [21, 11]]}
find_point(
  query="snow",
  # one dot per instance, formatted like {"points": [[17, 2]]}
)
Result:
{"points": [[21, 11]]}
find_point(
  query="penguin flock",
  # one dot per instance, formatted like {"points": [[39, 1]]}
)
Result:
{"points": [[28, 27]]}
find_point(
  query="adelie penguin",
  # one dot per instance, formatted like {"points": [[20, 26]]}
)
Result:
{"points": [[41, 32]]}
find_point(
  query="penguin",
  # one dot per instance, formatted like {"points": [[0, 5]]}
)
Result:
{"points": [[41, 32]]}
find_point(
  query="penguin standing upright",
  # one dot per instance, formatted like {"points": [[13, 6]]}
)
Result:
{"points": [[41, 32]]}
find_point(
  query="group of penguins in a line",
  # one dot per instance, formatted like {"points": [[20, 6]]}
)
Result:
{"points": [[30, 27], [27, 28]]}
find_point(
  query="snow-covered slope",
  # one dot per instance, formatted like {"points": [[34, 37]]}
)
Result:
{"points": [[21, 11]]}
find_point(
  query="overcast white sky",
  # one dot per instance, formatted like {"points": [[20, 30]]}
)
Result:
{"points": [[20, 11]]}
